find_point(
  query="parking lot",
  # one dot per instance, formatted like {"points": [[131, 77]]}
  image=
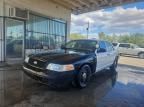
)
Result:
{"points": [[107, 89], [131, 61]]}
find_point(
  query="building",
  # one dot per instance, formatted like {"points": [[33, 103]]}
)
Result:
{"points": [[31, 26]]}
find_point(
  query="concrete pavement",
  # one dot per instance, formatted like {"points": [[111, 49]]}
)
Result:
{"points": [[107, 89], [131, 61]]}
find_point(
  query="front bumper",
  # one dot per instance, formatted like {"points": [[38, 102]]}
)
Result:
{"points": [[51, 78]]}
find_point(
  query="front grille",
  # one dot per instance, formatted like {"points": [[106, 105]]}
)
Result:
{"points": [[34, 68], [37, 63]]}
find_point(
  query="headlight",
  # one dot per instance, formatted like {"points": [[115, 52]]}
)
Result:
{"points": [[27, 59], [60, 68]]}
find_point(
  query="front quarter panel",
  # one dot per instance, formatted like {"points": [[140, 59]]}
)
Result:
{"points": [[89, 60]]}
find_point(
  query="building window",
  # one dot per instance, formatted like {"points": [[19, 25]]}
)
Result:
{"points": [[44, 33]]}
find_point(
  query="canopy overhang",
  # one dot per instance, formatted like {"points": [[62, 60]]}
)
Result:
{"points": [[84, 6]]}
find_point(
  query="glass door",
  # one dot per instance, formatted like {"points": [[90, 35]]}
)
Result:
{"points": [[14, 39]]}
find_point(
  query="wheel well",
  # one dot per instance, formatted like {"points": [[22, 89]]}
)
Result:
{"points": [[90, 65], [140, 52]]}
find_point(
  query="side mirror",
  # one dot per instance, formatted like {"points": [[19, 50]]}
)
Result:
{"points": [[132, 47], [63, 47], [97, 46], [101, 50]]}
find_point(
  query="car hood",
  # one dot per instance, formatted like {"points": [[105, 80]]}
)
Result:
{"points": [[142, 49], [60, 57]]}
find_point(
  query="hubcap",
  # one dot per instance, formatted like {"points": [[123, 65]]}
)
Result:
{"points": [[84, 75], [83, 78]]}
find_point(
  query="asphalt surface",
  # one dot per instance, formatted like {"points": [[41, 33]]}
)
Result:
{"points": [[107, 89]]}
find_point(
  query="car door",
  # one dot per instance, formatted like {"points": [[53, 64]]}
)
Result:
{"points": [[101, 54], [123, 48], [132, 50], [111, 53]]}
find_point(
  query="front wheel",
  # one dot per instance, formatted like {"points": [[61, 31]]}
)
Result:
{"points": [[83, 76], [114, 65]]}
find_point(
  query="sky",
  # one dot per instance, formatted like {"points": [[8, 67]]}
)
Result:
{"points": [[118, 20]]}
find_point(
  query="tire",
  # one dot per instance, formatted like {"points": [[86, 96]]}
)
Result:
{"points": [[141, 55], [114, 65], [83, 76]]}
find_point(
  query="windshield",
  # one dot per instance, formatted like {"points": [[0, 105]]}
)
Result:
{"points": [[81, 45]]}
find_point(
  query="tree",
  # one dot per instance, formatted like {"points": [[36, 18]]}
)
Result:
{"points": [[75, 36], [135, 38], [102, 35]]}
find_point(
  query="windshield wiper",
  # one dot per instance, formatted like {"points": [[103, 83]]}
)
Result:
{"points": [[79, 49]]}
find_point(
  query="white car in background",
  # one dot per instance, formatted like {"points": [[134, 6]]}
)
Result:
{"points": [[129, 49]]}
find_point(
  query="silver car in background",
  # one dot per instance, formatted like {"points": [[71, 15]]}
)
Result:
{"points": [[129, 49]]}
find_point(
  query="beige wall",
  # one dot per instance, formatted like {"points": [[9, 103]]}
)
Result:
{"points": [[1, 33], [1, 7], [44, 7], [1, 41]]}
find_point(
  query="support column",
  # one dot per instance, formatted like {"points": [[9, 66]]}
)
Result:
{"points": [[2, 45], [68, 28]]}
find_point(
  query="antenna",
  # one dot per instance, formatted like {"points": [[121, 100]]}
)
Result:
{"points": [[88, 29]]}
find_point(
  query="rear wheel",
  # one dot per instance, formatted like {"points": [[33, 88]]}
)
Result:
{"points": [[141, 55], [114, 65], [83, 76]]}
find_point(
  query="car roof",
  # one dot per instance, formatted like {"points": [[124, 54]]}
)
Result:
{"points": [[122, 43], [97, 40], [84, 40], [126, 43]]}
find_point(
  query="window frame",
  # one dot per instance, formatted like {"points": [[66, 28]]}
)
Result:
{"points": [[108, 45], [51, 31], [128, 45]]}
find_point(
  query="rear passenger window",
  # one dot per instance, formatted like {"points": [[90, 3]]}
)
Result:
{"points": [[124, 45], [109, 47]]}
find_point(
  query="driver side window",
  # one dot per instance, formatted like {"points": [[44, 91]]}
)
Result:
{"points": [[71, 45], [102, 47]]}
